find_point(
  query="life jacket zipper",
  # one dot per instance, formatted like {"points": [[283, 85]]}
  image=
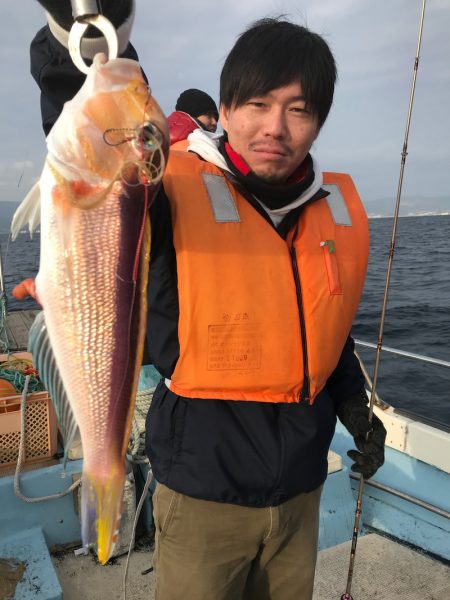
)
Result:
{"points": [[305, 394]]}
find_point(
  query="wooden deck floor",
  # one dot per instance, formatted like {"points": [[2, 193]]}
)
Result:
{"points": [[18, 324]]}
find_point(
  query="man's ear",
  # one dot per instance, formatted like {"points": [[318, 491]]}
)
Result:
{"points": [[223, 116]]}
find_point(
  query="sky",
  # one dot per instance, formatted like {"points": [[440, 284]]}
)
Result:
{"points": [[184, 44]]}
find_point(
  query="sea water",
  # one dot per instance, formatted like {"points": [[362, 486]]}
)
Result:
{"points": [[418, 313], [417, 318]]}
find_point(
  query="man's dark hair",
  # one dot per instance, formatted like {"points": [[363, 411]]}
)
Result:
{"points": [[273, 53]]}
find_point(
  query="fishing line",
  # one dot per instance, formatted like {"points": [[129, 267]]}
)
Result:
{"points": [[146, 140], [145, 489], [24, 164], [347, 594], [143, 144], [141, 237]]}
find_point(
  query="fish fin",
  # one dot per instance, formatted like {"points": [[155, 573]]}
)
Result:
{"points": [[28, 212], [101, 510], [44, 360]]}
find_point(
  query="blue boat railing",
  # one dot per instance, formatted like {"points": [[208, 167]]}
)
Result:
{"points": [[413, 355], [383, 405], [390, 490], [421, 357]]}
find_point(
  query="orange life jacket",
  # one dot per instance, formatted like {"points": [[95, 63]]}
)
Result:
{"points": [[180, 145], [261, 318]]}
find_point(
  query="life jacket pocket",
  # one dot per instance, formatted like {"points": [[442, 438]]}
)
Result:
{"points": [[331, 265]]}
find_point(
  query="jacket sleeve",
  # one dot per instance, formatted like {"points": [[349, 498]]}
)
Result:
{"points": [[162, 290], [56, 75], [347, 379]]}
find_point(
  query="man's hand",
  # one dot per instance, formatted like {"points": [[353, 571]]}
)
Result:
{"points": [[354, 415], [24, 289], [61, 10]]}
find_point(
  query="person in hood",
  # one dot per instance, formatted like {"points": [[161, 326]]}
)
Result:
{"points": [[257, 265], [193, 109]]}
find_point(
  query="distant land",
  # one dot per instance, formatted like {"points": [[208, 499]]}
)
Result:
{"points": [[382, 207], [409, 206]]}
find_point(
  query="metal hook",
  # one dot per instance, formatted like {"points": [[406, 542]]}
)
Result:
{"points": [[77, 32]]}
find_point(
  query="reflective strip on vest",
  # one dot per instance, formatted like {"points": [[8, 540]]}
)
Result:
{"points": [[337, 205], [222, 202]]}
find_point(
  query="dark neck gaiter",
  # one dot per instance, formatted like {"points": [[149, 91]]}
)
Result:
{"points": [[273, 196]]}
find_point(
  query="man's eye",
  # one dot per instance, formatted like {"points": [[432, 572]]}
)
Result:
{"points": [[257, 103], [299, 109]]}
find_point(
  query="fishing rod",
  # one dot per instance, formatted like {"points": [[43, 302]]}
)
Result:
{"points": [[347, 595], [4, 340], [2, 282]]}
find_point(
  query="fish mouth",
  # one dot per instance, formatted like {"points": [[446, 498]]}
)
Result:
{"points": [[148, 169], [148, 137], [145, 164], [144, 138]]}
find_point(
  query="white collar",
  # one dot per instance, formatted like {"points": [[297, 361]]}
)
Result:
{"points": [[205, 144]]}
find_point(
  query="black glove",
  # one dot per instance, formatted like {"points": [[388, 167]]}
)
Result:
{"points": [[354, 415], [61, 10]]}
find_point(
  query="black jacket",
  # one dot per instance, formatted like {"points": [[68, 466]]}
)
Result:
{"points": [[248, 453]]}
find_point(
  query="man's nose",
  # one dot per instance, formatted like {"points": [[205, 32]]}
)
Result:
{"points": [[275, 123]]}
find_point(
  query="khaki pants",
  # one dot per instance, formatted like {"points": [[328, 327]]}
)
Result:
{"points": [[213, 551]]}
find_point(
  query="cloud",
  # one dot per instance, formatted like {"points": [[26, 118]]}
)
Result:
{"points": [[184, 45], [23, 164], [331, 10]]}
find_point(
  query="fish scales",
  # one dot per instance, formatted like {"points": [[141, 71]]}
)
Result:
{"points": [[89, 300], [95, 240]]}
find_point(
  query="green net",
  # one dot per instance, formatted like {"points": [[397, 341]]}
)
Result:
{"points": [[15, 371]]}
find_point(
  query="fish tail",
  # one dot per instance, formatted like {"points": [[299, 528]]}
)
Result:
{"points": [[101, 509]]}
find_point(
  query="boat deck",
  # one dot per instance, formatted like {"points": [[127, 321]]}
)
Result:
{"points": [[18, 325], [384, 569]]}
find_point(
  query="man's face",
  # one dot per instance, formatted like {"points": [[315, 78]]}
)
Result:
{"points": [[273, 133], [208, 121]]}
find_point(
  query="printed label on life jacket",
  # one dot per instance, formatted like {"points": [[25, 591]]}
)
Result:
{"points": [[234, 346]]}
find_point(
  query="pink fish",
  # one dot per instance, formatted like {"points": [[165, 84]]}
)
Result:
{"points": [[106, 157]]}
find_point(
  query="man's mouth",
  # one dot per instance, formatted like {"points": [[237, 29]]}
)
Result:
{"points": [[274, 150]]}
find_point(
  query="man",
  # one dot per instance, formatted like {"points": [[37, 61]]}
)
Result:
{"points": [[193, 109], [255, 276], [201, 106]]}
